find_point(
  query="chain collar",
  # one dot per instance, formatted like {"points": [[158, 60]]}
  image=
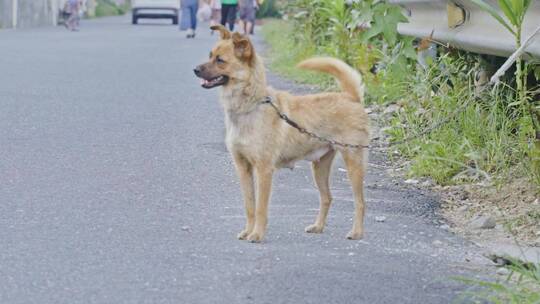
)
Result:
{"points": [[292, 123]]}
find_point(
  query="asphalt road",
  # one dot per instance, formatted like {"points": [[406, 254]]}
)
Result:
{"points": [[116, 187]]}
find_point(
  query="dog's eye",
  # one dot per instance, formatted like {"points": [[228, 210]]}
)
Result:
{"points": [[219, 60]]}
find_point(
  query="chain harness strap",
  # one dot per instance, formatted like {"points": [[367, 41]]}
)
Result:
{"points": [[292, 123]]}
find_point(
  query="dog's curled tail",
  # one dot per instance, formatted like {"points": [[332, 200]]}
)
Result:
{"points": [[348, 78]]}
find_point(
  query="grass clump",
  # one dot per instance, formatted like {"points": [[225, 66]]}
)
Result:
{"points": [[473, 136], [520, 286]]}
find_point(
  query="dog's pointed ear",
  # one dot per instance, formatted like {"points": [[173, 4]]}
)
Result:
{"points": [[243, 49], [223, 31]]}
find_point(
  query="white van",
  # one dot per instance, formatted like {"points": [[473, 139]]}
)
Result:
{"points": [[155, 9]]}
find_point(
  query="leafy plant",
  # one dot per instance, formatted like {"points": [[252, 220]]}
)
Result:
{"points": [[363, 33], [514, 12], [380, 17]]}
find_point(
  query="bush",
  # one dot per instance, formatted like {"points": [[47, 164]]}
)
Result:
{"points": [[109, 8], [268, 9]]}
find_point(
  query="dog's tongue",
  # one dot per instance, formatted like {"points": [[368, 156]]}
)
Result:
{"points": [[204, 81]]}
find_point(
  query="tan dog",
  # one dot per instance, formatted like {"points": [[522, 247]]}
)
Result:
{"points": [[260, 142]]}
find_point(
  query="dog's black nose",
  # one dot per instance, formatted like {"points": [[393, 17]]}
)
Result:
{"points": [[197, 71]]}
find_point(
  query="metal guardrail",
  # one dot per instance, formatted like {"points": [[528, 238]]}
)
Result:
{"points": [[463, 25]]}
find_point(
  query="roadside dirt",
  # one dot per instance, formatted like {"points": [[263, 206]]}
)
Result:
{"points": [[514, 206]]}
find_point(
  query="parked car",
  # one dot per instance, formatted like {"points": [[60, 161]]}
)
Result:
{"points": [[155, 9]]}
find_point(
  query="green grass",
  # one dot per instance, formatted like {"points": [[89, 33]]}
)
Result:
{"points": [[284, 54], [480, 137]]}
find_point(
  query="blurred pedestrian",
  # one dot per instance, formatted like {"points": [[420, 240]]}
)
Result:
{"points": [[228, 13], [189, 17], [215, 5], [74, 7], [204, 14], [247, 15]]}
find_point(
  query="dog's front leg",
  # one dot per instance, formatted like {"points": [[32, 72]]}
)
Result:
{"points": [[264, 188], [245, 173]]}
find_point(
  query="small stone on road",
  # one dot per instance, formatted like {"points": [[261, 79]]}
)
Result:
{"points": [[411, 181], [483, 222], [503, 271]]}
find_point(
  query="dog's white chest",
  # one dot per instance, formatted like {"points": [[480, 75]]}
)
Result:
{"points": [[240, 131]]}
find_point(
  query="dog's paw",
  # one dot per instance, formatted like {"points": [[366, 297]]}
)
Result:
{"points": [[314, 228], [353, 235], [243, 234], [255, 237]]}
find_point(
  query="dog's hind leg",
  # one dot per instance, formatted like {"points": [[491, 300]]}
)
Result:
{"points": [[321, 174], [356, 162], [264, 188], [245, 174]]}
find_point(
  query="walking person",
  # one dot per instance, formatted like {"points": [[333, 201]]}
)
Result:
{"points": [[72, 22], [247, 15], [189, 17], [215, 19], [228, 12]]}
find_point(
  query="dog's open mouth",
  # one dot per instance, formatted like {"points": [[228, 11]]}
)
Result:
{"points": [[214, 82]]}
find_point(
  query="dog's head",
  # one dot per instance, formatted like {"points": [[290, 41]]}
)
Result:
{"points": [[230, 60]]}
